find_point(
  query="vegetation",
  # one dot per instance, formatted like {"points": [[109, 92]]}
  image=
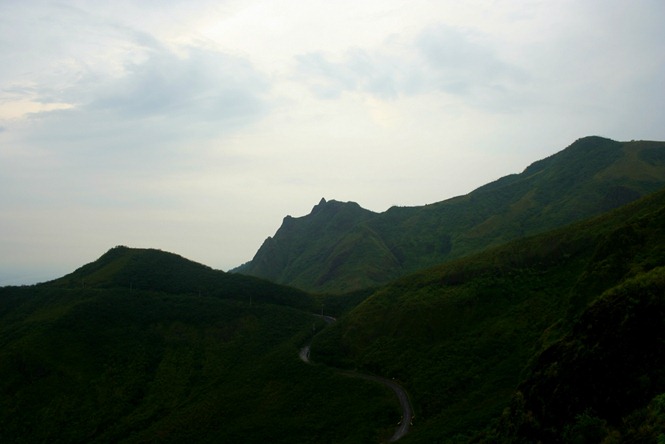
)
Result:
{"points": [[605, 380], [98, 364], [340, 247], [461, 335], [134, 269], [556, 337], [312, 239]]}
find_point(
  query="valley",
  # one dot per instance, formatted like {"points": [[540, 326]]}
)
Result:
{"points": [[402, 395], [341, 247], [530, 310]]}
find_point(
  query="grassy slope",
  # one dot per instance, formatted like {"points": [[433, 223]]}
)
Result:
{"points": [[591, 176], [460, 335], [105, 363], [137, 268], [311, 239], [604, 381]]}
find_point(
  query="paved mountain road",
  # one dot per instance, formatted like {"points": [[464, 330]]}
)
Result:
{"points": [[402, 396], [304, 354], [400, 392]]}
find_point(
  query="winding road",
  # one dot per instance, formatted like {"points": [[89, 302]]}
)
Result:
{"points": [[402, 396], [400, 392]]}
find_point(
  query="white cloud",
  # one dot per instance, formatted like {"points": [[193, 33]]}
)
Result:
{"points": [[358, 71], [202, 86], [440, 59], [462, 66], [148, 115]]}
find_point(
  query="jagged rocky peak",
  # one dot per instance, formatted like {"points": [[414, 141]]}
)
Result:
{"points": [[288, 222], [333, 206], [319, 206]]}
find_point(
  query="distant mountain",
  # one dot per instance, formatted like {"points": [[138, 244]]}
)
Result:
{"points": [[156, 270], [572, 318], [341, 247], [303, 245]]}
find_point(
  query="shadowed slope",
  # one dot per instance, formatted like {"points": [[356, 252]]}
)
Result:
{"points": [[146, 346], [460, 334], [339, 247]]}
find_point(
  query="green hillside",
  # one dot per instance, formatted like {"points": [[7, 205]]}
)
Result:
{"points": [[137, 268], [340, 247], [604, 381], [315, 239], [145, 346], [554, 337], [461, 335]]}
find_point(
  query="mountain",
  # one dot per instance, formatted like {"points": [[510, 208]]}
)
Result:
{"points": [[341, 247], [572, 319], [555, 337], [303, 245], [603, 381], [143, 345], [156, 270]]}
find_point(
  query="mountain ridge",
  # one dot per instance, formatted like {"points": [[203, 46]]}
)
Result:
{"points": [[589, 177], [465, 336], [156, 270], [145, 345]]}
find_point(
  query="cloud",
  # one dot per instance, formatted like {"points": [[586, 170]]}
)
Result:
{"points": [[109, 65], [440, 59], [136, 123], [460, 65], [146, 113], [202, 86], [184, 127], [359, 70]]}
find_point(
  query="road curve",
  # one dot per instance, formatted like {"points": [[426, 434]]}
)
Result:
{"points": [[400, 392], [402, 396], [304, 354]]}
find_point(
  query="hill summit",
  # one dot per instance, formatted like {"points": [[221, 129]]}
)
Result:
{"points": [[159, 271], [342, 247], [312, 239]]}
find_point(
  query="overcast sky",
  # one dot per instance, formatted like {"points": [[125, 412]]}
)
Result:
{"points": [[196, 126]]}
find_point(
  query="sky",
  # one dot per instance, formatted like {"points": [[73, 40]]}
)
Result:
{"points": [[195, 126]]}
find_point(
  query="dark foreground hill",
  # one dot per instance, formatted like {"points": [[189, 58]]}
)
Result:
{"points": [[512, 326], [340, 247], [146, 346], [553, 338], [605, 380]]}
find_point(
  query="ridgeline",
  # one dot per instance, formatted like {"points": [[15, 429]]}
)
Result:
{"points": [[530, 310], [340, 247]]}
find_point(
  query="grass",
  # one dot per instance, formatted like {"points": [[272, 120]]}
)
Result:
{"points": [[461, 336], [110, 365]]}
